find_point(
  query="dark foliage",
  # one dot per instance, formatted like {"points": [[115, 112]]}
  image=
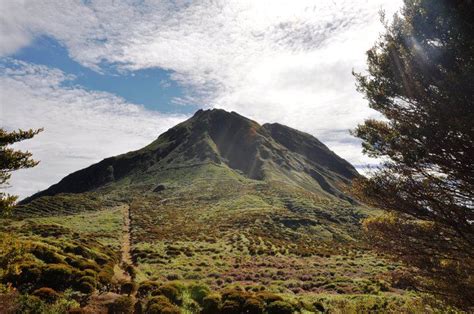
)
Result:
{"points": [[11, 160], [421, 79], [122, 305], [46, 294], [211, 304], [280, 307]]}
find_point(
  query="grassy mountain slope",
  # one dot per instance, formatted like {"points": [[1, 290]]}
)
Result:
{"points": [[271, 152], [219, 214]]}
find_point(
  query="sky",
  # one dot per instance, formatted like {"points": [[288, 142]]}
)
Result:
{"points": [[106, 77]]}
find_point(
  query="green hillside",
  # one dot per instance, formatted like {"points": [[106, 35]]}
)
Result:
{"points": [[218, 215]]}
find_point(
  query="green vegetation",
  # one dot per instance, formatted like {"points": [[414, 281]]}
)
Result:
{"points": [[178, 227], [420, 79], [11, 160]]}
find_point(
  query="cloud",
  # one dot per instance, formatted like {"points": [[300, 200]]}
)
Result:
{"points": [[81, 127], [272, 60]]}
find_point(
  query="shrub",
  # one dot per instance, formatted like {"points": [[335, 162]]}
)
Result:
{"points": [[171, 292], [231, 307], [122, 305], [131, 270], [46, 255], [280, 307], [46, 294], [28, 275], [30, 304], [199, 292], [85, 287], [253, 306], [106, 274], [128, 288], [88, 279], [161, 305], [318, 306], [211, 303], [236, 295], [90, 273], [172, 277], [78, 250], [82, 263], [147, 287], [163, 309], [57, 276], [191, 306], [268, 297], [138, 308], [101, 260], [157, 299]]}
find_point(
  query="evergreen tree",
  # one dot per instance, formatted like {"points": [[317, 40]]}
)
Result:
{"points": [[11, 160], [421, 79]]}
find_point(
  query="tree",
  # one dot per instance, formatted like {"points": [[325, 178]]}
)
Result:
{"points": [[11, 160], [421, 80]]}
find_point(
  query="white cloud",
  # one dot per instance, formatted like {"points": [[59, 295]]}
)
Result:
{"points": [[81, 127], [272, 60]]}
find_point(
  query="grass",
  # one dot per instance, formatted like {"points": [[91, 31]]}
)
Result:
{"points": [[210, 227]]}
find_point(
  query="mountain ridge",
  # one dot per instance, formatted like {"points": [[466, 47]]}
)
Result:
{"points": [[269, 152]]}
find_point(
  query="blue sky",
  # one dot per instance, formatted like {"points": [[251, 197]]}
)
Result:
{"points": [[151, 87], [106, 77]]}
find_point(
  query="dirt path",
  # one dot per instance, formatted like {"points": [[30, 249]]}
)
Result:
{"points": [[100, 302], [126, 241], [122, 274]]}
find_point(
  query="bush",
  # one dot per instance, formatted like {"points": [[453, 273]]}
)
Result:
{"points": [[57, 276], [318, 306], [45, 254], [122, 305], [30, 304], [83, 264], [105, 275], [167, 309], [89, 279], [138, 308], [157, 299], [161, 305], [191, 306], [78, 250], [199, 292], [147, 287], [131, 270], [128, 288], [280, 307], [90, 273], [253, 306], [171, 292], [47, 294], [85, 287], [101, 260], [28, 275], [211, 304], [231, 307], [268, 297], [236, 295]]}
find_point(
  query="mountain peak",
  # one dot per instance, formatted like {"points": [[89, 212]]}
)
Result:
{"points": [[272, 152]]}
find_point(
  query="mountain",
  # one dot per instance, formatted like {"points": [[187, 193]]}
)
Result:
{"points": [[217, 215], [269, 152]]}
